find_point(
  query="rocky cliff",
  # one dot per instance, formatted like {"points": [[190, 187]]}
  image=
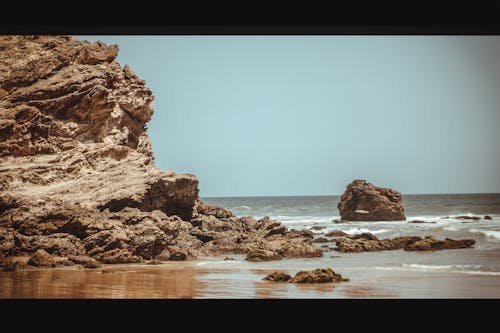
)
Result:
{"points": [[73, 127], [77, 173]]}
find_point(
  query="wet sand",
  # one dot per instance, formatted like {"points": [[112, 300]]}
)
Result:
{"points": [[372, 275]]}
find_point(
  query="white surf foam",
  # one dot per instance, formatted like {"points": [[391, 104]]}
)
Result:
{"points": [[355, 230], [463, 269], [488, 233], [439, 267]]}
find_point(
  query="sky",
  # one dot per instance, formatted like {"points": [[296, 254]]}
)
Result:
{"points": [[306, 115]]}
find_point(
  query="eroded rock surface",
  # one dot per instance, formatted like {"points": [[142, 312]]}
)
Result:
{"points": [[319, 275], [367, 242], [363, 201], [77, 173]]}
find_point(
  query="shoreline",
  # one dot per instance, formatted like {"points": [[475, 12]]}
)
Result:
{"points": [[372, 275]]}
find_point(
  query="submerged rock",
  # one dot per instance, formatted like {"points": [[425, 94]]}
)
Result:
{"points": [[317, 227], [467, 217], [420, 221], [362, 201]]}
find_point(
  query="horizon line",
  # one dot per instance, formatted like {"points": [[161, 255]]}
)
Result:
{"points": [[336, 195]]}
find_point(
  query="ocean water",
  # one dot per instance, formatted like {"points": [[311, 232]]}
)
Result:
{"points": [[439, 209], [460, 273]]}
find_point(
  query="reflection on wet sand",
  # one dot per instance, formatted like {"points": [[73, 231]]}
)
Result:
{"points": [[366, 292], [115, 282], [215, 278], [268, 289]]}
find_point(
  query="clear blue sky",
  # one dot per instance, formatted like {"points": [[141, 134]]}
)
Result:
{"points": [[305, 115]]}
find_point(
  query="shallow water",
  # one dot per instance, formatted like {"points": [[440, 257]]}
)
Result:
{"points": [[388, 274], [461, 273]]}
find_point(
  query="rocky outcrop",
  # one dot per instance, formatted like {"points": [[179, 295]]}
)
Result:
{"points": [[278, 277], [367, 242], [319, 275], [431, 243], [73, 127], [77, 173], [362, 201]]}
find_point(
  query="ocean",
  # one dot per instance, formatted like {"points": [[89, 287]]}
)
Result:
{"points": [[301, 212], [460, 273]]}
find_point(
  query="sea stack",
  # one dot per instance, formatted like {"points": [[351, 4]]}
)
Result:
{"points": [[363, 201]]}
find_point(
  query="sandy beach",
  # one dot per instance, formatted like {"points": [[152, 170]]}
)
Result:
{"points": [[372, 275]]}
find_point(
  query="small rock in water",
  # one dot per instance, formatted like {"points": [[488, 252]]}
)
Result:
{"points": [[319, 275], [420, 221], [467, 217], [317, 227], [278, 277], [228, 258], [487, 217]]}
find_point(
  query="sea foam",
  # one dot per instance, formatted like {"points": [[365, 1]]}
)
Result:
{"points": [[488, 233]]}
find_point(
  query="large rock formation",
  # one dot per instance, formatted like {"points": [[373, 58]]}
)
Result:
{"points": [[362, 201], [77, 173], [73, 127]]}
